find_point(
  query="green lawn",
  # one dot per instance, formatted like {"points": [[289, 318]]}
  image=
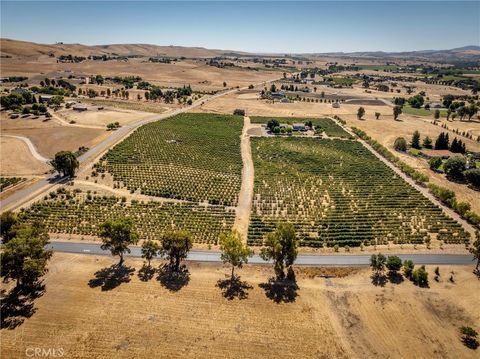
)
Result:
{"points": [[409, 110]]}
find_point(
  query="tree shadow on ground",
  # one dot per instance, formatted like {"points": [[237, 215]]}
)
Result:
{"points": [[146, 273], [234, 288], [395, 277], [111, 277], [18, 304], [281, 289], [476, 272], [173, 280], [379, 279]]}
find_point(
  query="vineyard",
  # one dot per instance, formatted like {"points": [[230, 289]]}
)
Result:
{"points": [[336, 192], [326, 125], [6, 182], [80, 213], [193, 157]]}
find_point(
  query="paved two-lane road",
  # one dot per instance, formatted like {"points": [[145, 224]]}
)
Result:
{"points": [[303, 259]]}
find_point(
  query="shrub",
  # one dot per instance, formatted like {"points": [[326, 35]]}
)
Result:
{"points": [[394, 263], [435, 163], [408, 267], [473, 177], [239, 112], [400, 144], [420, 277], [454, 167], [469, 337]]}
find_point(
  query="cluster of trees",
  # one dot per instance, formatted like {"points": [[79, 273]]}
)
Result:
{"points": [[416, 101], [71, 58], [168, 96], [281, 246], [162, 60], [65, 163], [113, 125], [15, 100], [15, 79], [380, 262], [443, 143], [128, 81]]}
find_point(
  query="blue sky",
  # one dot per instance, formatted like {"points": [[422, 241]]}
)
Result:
{"points": [[315, 26]]}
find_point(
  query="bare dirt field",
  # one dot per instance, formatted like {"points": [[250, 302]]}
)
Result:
{"points": [[17, 160], [95, 117], [50, 140], [340, 317]]}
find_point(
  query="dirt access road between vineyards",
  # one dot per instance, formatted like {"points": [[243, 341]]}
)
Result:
{"points": [[245, 196]]}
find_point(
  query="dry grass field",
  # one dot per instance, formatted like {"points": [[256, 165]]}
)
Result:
{"points": [[94, 117], [196, 73], [340, 317], [49, 137], [17, 160]]}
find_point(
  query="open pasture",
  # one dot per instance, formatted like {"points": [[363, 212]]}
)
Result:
{"points": [[338, 193], [193, 157]]}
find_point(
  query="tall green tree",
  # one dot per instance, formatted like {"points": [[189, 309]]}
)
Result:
{"points": [[360, 113], [65, 163], [24, 258], [233, 250], [175, 246], [394, 264], [117, 235], [8, 219], [408, 267], [281, 246], [150, 250], [377, 262], [454, 167], [397, 111], [427, 142], [415, 140]]}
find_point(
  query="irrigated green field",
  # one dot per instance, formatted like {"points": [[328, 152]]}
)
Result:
{"points": [[337, 192], [193, 157], [327, 125]]}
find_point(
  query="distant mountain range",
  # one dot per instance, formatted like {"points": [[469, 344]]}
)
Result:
{"points": [[17, 48]]}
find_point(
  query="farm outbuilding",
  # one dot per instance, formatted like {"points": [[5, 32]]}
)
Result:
{"points": [[299, 127], [80, 108]]}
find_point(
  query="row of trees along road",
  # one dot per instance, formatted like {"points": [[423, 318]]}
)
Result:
{"points": [[281, 246]]}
